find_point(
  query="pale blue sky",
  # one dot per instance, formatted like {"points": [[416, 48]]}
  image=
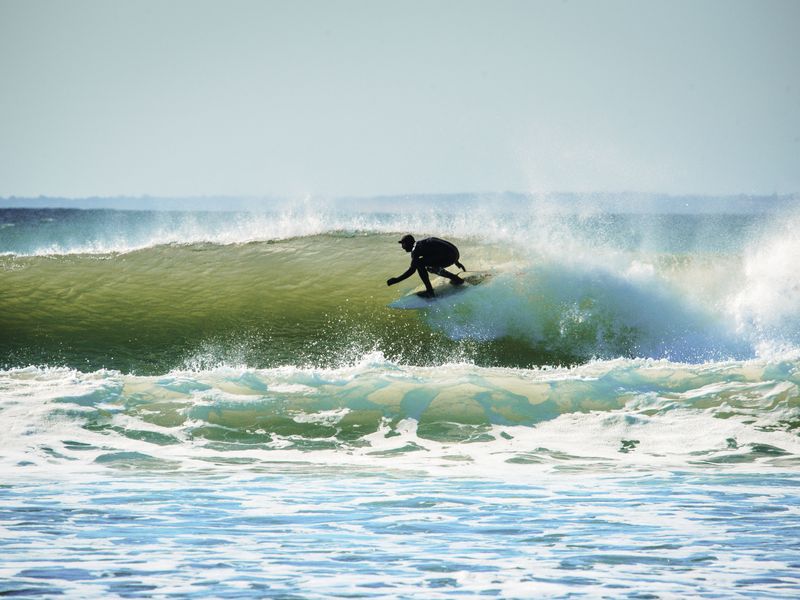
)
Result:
{"points": [[295, 98]]}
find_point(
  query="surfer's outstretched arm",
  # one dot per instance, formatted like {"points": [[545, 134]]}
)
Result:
{"points": [[405, 275]]}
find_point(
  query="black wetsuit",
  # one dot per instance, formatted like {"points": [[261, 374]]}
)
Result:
{"points": [[432, 255]]}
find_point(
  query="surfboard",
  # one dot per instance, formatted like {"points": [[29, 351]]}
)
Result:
{"points": [[442, 288]]}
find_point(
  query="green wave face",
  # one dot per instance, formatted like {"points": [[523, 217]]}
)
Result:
{"points": [[559, 296], [312, 300]]}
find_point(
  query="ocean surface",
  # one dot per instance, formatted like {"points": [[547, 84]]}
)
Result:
{"points": [[222, 403]]}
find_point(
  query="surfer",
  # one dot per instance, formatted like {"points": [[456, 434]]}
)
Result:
{"points": [[430, 255]]}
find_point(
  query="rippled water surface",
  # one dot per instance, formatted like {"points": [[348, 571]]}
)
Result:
{"points": [[314, 534]]}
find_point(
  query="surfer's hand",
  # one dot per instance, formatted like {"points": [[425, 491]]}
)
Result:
{"points": [[391, 281]]}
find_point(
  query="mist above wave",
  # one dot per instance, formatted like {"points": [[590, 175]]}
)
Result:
{"points": [[99, 227]]}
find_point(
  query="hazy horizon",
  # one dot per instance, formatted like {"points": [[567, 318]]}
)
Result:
{"points": [[505, 202]]}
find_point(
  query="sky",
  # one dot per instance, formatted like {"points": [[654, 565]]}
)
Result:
{"points": [[358, 98]]}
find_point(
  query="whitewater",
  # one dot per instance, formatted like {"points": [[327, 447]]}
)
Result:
{"points": [[223, 404]]}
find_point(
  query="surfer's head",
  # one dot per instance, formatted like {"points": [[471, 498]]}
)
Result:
{"points": [[407, 242]]}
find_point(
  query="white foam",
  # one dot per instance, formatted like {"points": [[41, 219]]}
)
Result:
{"points": [[619, 414]]}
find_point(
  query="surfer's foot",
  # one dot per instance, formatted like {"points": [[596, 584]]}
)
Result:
{"points": [[425, 294], [456, 281]]}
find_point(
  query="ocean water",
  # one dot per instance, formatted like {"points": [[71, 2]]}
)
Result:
{"points": [[222, 404]]}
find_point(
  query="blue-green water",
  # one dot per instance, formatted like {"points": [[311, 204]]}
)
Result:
{"points": [[224, 405], [290, 531]]}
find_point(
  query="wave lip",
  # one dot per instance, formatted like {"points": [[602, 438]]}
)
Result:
{"points": [[68, 232], [523, 221], [116, 232]]}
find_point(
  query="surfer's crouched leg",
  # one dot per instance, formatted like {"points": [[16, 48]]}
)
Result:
{"points": [[454, 279], [423, 274]]}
